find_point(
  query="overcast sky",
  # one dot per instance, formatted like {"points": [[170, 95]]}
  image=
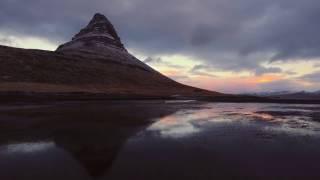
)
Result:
{"points": [[223, 45]]}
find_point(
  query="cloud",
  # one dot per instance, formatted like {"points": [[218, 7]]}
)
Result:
{"points": [[180, 78], [312, 78], [160, 61], [201, 67], [280, 85], [152, 60], [291, 73], [306, 82], [262, 70], [232, 34], [198, 73], [25, 41], [258, 71], [7, 41], [202, 70]]}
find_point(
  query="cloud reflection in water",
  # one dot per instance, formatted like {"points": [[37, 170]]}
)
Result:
{"points": [[190, 122], [27, 147]]}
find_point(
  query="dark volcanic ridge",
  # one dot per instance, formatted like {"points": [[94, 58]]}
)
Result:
{"points": [[95, 61]]}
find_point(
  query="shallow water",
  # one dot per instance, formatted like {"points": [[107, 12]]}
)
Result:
{"points": [[159, 140]]}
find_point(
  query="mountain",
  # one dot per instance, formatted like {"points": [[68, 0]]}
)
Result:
{"points": [[95, 61], [99, 33], [284, 95], [317, 92], [267, 94], [100, 40], [303, 95]]}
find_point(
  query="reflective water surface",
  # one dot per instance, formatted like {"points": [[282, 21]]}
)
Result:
{"points": [[159, 140]]}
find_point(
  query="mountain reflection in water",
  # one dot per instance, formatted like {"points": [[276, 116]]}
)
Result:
{"points": [[159, 140]]}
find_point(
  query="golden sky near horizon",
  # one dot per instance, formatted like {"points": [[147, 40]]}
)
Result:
{"points": [[178, 67]]}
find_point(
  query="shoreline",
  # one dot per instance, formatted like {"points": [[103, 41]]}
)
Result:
{"points": [[29, 97]]}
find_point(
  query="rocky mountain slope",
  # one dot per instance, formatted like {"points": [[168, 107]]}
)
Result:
{"points": [[94, 61]]}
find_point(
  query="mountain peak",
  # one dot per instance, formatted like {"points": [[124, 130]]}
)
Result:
{"points": [[98, 34], [98, 17]]}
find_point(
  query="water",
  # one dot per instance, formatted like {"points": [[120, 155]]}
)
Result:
{"points": [[159, 140]]}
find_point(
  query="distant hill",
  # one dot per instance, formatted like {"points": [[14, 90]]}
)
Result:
{"points": [[94, 61], [266, 94], [302, 95]]}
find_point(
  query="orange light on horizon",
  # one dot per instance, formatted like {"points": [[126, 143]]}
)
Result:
{"points": [[227, 83], [268, 78]]}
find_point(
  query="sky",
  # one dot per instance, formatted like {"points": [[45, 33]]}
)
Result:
{"points": [[222, 45]]}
